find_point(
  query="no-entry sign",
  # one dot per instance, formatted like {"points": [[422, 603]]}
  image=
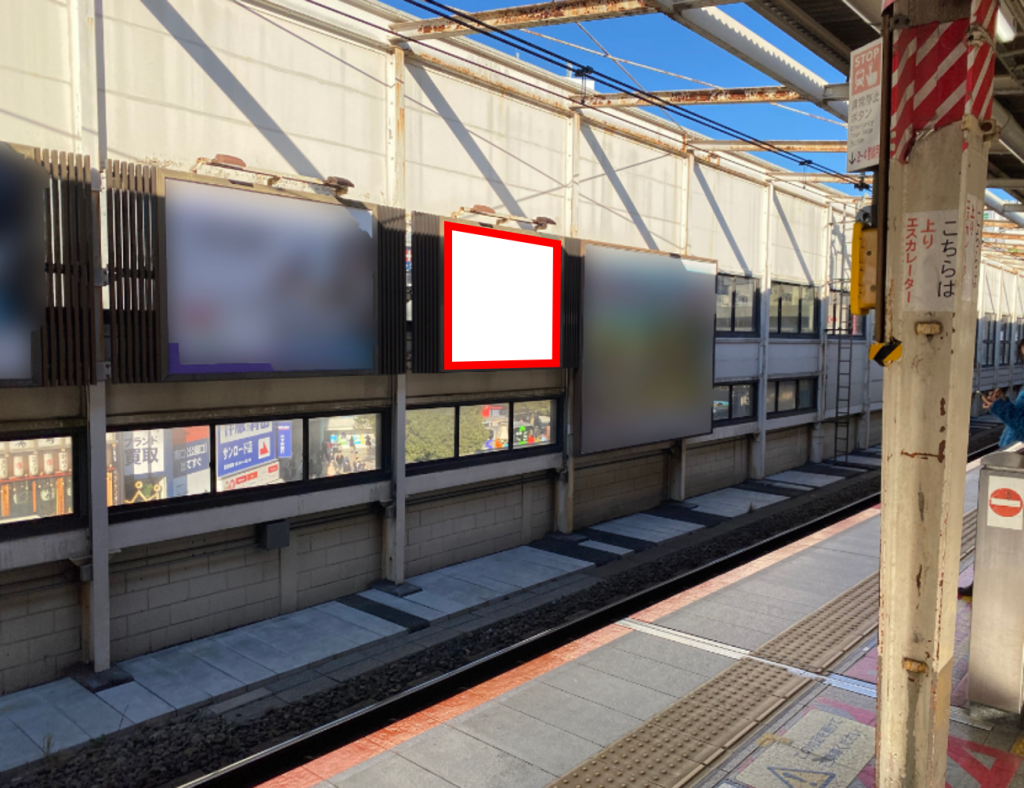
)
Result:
{"points": [[1006, 503]]}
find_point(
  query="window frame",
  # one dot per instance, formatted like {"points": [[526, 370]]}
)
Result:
{"points": [[774, 384], [212, 499], [498, 455], [987, 340], [732, 419], [776, 312], [76, 519], [732, 332], [834, 326], [1004, 340]]}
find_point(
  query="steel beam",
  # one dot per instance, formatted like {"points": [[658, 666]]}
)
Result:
{"points": [[518, 17], [801, 146], [818, 177], [1006, 183], [771, 94]]}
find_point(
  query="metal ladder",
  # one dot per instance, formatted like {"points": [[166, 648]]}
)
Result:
{"points": [[844, 441]]}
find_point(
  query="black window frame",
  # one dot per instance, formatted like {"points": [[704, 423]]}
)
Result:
{"points": [[730, 419], [987, 340], [814, 334], [213, 499], [75, 520], [838, 324], [1004, 339], [774, 386], [732, 332], [498, 455]]}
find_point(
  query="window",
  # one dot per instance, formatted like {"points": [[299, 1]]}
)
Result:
{"points": [[791, 396], [987, 332], [1005, 341], [793, 310], [36, 479], [533, 423], [485, 429], [736, 311], [340, 445], [841, 322], [258, 453], [154, 465], [733, 402]]}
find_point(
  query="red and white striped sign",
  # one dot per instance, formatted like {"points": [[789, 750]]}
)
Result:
{"points": [[940, 74]]}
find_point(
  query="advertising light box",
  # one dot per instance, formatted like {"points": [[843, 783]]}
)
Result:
{"points": [[647, 367], [267, 283], [485, 328]]}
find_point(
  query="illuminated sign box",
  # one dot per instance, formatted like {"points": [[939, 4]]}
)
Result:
{"points": [[260, 282], [491, 299]]}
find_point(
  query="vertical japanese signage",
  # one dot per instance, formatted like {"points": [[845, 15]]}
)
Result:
{"points": [[930, 244], [863, 129]]}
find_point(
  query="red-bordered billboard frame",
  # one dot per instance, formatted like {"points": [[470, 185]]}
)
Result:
{"points": [[556, 313]]}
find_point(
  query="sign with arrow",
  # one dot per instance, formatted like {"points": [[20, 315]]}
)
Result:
{"points": [[863, 126]]}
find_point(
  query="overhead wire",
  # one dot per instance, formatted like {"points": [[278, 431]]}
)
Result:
{"points": [[541, 53], [616, 59], [618, 117]]}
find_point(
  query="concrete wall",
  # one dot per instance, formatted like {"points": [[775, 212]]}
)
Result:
{"points": [[40, 624], [454, 528], [607, 487], [787, 449], [716, 465]]}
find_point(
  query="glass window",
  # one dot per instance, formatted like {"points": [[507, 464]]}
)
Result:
{"points": [[790, 309], [258, 453], [743, 401], [775, 307], [35, 479], [429, 434], [483, 428], [786, 395], [771, 403], [154, 465], [805, 393], [533, 423], [724, 288], [807, 306], [746, 292], [340, 445], [720, 410]]}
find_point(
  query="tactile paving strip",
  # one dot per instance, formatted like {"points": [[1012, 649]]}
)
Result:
{"points": [[820, 639]]}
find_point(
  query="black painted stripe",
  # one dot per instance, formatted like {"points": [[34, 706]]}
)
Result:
{"points": [[375, 608], [573, 550], [676, 511], [629, 542], [771, 489]]}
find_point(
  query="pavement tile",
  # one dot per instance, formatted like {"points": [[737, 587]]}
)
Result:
{"points": [[713, 608], [470, 763], [196, 672], [16, 748], [135, 702], [228, 661], [616, 693], [688, 658], [608, 548], [545, 746], [642, 670], [398, 603], [563, 564], [359, 618], [80, 706], [256, 650], [164, 683], [720, 631], [569, 712], [388, 770]]}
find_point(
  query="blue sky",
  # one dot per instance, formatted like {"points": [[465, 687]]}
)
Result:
{"points": [[655, 40]]}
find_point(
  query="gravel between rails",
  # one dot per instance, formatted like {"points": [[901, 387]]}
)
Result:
{"points": [[185, 747]]}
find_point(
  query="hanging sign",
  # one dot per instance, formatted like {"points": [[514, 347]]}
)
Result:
{"points": [[863, 129]]}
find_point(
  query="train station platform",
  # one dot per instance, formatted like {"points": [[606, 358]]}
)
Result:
{"points": [[249, 671], [764, 677]]}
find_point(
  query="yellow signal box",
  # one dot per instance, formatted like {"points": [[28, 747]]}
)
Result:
{"points": [[864, 269]]}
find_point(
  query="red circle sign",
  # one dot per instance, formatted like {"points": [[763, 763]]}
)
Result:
{"points": [[1005, 502]]}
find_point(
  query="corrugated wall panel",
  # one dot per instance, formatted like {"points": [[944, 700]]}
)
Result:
{"points": [[468, 144], [726, 221], [192, 78], [798, 235], [630, 194]]}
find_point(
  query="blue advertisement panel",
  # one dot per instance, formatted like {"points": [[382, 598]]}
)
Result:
{"points": [[284, 439], [244, 446]]}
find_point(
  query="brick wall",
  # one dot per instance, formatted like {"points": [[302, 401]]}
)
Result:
{"points": [[463, 527], [40, 624], [610, 489], [338, 558], [180, 590], [787, 449], [716, 465]]}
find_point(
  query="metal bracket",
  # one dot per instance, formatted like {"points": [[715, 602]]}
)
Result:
{"points": [[102, 370], [101, 277]]}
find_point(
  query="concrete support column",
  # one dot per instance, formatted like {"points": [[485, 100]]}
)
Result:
{"points": [[395, 76], [98, 589], [677, 472], [759, 441], [288, 575], [927, 405], [817, 442], [393, 552]]}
